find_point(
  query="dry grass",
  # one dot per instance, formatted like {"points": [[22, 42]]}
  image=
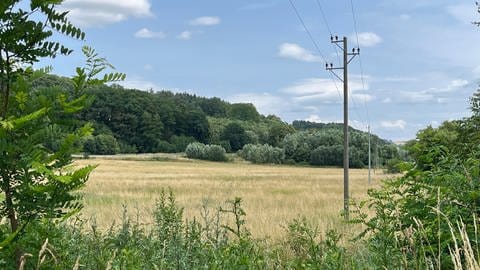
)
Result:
{"points": [[273, 195]]}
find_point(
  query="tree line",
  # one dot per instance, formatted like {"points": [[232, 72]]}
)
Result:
{"points": [[134, 121]]}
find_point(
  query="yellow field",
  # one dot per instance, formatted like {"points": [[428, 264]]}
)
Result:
{"points": [[272, 195]]}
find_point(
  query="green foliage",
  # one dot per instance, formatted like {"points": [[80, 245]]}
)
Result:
{"points": [[478, 10], [419, 206], [180, 143], [327, 155], [148, 122], [195, 150], [38, 133], [102, 144], [217, 240], [277, 132], [243, 111], [262, 154], [171, 243], [206, 152], [322, 145], [215, 153], [24, 38], [235, 135], [311, 253], [394, 166], [413, 214]]}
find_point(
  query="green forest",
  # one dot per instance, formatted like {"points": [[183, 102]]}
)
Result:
{"points": [[135, 121]]}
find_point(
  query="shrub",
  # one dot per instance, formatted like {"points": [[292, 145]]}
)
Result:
{"points": [[165, 147], [297, 146], [236, 135], [179, 143], [262, 154], [195, 150], [126, 148], [102, 144], [215, 153], [198, 150], [327, 156], [418, 208], [393, 165]]}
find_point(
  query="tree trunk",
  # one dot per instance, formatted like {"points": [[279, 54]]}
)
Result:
{"points": [[9, 204]]}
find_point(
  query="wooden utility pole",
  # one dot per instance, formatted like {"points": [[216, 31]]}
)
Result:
{"points": [[369, 156], [347, 58]]}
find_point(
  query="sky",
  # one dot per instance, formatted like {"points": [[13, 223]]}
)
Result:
{"points": [[419, 61]]}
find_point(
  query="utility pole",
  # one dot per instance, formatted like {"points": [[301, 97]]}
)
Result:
{"points": [[369, 156], [347, 58]]}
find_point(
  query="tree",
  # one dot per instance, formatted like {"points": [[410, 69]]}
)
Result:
{"points": [[235, 134], [35, 180], [277, 132], [243, 111]]}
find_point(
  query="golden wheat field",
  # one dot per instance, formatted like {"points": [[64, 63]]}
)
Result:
{"points": [[272, 195]]}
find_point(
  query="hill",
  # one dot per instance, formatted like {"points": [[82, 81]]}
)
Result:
{"points": [[134, 121]]}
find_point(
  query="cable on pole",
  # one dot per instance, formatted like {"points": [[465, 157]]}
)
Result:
{"points": [[314, 42], [355, 24]]}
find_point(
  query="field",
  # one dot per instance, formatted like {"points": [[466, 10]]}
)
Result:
{"points": [[272, 195]]}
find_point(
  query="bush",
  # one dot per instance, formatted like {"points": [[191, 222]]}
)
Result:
{"points": [[393, 165], [236, 135], [198, 150], [262, 154], [327, 156], [126, 148], [165, 147], [215, 153], [102, 144], [419, 208], [181, 142]]}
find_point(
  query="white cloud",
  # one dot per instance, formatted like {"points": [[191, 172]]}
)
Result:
{"points": [[387, 100], [185, 35], [148, 67], [363, 97], [353, 123], [265, 103], [311, 86], [397, 124], [367, 39], [326, 91], [295, 51], [400, 79], [140, 84], [205, 21], [146, 33], [442, 100], [476, 71], [314, 118], [101, 12], [459, 83], [418, 96], [405, 17]]}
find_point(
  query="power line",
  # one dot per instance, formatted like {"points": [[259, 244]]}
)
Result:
{"points": [[306, 30], [360, 61], [365, 97], [325, 21], [328, 28], [314, 42]]}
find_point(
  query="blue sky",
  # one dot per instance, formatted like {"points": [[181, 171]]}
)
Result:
{"points": [[420, 58]]}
